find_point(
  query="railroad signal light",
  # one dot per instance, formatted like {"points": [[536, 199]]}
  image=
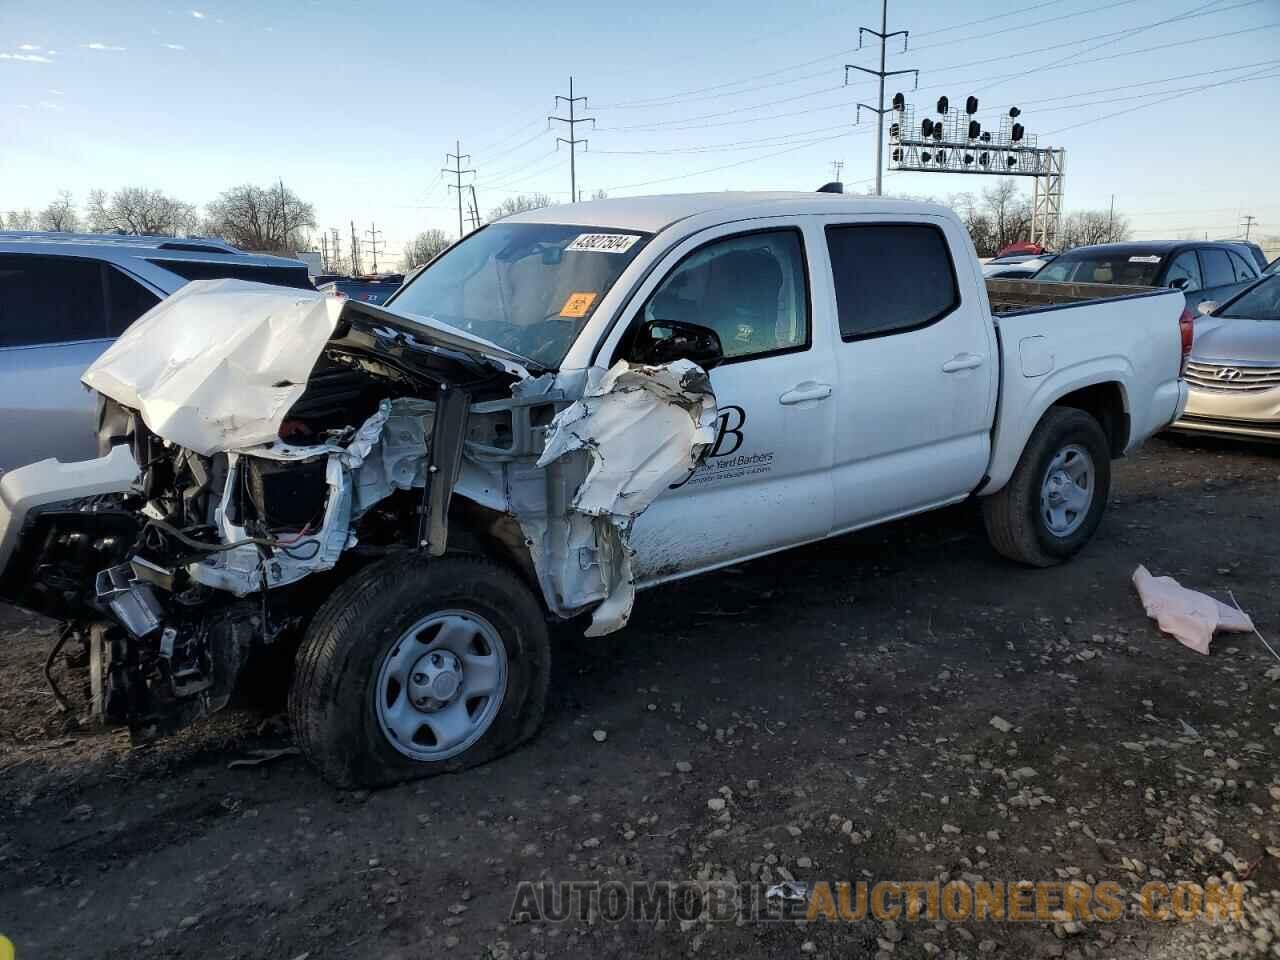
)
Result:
{"points": [[975, 128], [941, 156], [943, 104], [899, 102], [1011, 161], [926, 157], [971, 106], [968, 158], [984, 159], [986, 138], [937, 130], [897, 155], [894, 131], [1014, 113], [1016, 133], [926, 127]]}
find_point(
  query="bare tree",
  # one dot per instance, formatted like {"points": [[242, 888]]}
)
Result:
{"points": [[1010, 213], [424, 247], [140, 210], [20, 220], [1086, 227], [519, 204], [61, 215], [262, 218]]}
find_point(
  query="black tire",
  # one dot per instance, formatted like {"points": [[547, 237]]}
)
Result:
{"points": [[331, 705], [1015, 525]]}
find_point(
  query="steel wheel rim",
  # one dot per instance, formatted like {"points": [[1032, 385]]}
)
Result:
{"points": [[440, 685], [1066, 492]]}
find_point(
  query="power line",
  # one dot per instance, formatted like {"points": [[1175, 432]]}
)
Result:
{"points": [[457, 170], [727, 166], [880, 111], [573, 139]]}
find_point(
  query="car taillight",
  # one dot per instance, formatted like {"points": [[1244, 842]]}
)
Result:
{"points": [[1187, 327]]}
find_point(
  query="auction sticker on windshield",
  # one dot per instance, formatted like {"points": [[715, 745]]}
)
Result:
{"points": [[602, 243], [578, 305], [1149, 258]]}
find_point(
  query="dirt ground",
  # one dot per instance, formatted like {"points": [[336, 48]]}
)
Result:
{"points": [[841, 700]]}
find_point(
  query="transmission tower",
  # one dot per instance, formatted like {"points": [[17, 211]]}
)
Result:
{"points": [[573, 140], [355, 252], [1249, 221], [837, 166], [880, 110], [457, 171], [335, 250], [373, 243], [474, 207]]}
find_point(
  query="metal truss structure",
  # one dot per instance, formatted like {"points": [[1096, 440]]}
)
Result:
{"points": [[954, 142]]}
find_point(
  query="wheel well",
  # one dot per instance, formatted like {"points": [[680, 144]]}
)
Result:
{"points": [[1105, 403], [486, 532]]}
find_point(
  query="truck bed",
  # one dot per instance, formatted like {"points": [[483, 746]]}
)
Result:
{"points": [[1012, 296]]}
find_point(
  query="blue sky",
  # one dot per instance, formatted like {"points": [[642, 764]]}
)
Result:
{"points": [[356, 104]]}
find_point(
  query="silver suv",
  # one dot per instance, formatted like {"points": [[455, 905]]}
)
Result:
{"points": [[64, 297]]}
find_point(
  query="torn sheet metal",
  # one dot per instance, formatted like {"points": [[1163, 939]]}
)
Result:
{"points": [[217, 366], [643, 429], [1189, 616]]}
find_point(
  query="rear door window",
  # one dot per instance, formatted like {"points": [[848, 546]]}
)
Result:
{"points": [[127, 300], [50, 300], [1244, 270], [890, 278], [1218, 271]]}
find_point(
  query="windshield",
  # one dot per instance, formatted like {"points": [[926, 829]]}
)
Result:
{"points": [[529, 287], [1132, 269], [1261, 302]]}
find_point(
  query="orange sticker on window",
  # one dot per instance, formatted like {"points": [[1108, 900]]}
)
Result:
{"points": [[577, 306]]}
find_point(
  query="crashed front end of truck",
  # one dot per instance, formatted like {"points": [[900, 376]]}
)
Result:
{"points": [[261, 445]]}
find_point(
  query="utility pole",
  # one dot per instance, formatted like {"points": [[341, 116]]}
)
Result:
{"points": [[1249, 221], [373, 242], [336, 248], [836, 167], [324, 251], [1111, 221], [355, 251], [573, 140], [457, 170], [475, 208], [880, 110]]}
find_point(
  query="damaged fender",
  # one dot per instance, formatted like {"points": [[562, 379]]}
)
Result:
{"points": [[644, 429]]}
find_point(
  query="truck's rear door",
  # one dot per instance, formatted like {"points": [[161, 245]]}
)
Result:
{"points": [[917, 365]]}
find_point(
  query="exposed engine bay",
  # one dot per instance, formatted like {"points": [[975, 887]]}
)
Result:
{"points": [[260, 445]]}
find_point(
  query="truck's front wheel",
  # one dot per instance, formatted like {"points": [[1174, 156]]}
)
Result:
{"points": [[1054, 501], [416, 667]]}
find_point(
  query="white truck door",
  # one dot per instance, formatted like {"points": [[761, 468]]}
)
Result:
{"points": [[917, 363], [767, 482]]}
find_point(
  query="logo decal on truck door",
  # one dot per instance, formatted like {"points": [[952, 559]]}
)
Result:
{"points": [[724, 462]]}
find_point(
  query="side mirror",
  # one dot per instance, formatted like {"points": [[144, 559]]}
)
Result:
{"points": [[662, 341], [1207, 307]]}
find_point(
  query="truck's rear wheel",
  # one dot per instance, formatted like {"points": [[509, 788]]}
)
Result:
{"points": [[416, 667], [1054, 501]]}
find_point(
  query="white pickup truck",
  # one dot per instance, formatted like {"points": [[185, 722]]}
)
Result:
{"points": [[566, 406]]}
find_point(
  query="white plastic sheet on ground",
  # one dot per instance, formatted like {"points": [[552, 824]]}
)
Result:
{"points": [[645, 429], [217, 365], [1189, 616]]}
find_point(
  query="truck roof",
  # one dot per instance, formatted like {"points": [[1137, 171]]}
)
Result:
{"points": [[653, 213]]}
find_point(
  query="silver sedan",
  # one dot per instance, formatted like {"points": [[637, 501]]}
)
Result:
{"points": [[1234, 371]]}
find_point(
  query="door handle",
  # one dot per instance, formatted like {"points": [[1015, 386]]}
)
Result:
{"points": [[963, 361], [805, 391]]}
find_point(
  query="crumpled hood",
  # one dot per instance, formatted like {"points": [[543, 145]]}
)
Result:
{"points": [[1237, 338], [218, 365]]}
